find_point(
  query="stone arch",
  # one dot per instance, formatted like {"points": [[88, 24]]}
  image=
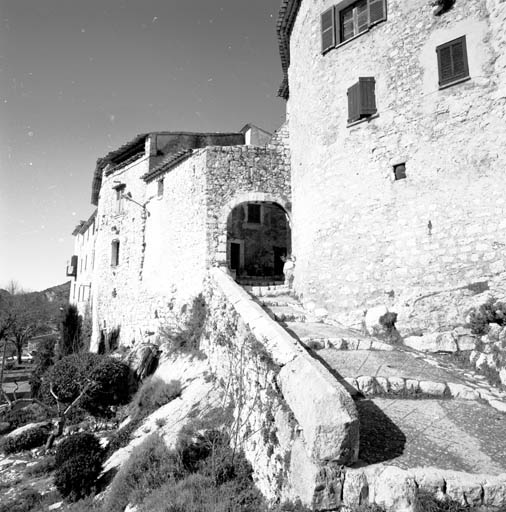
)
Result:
{"points": [[245, 197]]}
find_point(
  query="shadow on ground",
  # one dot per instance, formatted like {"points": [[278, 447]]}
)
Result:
{"points": [[380, 439]]}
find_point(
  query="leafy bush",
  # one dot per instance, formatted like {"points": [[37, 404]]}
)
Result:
{"points": [[106, 381], [85, 505], [16, 418], [150, 465], [492, 311], [27, 440], [79, 461], [25, 501], [42, 467], [153, 393]]}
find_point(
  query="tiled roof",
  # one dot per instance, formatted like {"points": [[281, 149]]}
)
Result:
{"points": [[286, 18], [166, 164], [84, 224], [102, 163]]}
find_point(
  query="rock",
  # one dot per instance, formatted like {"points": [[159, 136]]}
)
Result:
{"points": [[502, 376], [464, 338], [394, 489], [328, 488], [372, 323], [4, 427], [55, 506], [433, 342], [383, 385], [464, 488], [462, 391], [367, 385], [143, 360], [494, 491], [131, 508], [430, 479], [355, 488], [494, 332], [412, 386], [432, 388], [497, 404], [320, 313], [397, 384]]}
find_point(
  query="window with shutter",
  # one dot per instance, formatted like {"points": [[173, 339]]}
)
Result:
{"points": [[452, 61], [339, 23], [328, 30], [362, 99]]}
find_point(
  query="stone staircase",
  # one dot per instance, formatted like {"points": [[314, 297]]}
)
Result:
{"points": [[415, 410]]}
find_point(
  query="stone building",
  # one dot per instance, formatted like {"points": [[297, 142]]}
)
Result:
{"points": [[397, 119], [169, 206]]}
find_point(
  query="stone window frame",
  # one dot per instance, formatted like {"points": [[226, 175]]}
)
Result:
{"points": [[331, 22], [247, 222], [454, 77], [119, 199]]}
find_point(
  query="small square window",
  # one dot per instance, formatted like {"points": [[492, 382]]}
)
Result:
{"points": [[452, 61], [400, 172], [254, 214], [160, 188]]}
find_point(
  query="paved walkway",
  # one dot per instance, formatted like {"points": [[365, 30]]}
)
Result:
{"points": [[450, 434]]}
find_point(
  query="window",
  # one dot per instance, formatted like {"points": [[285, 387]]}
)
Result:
{"points": [[400, 171], [254, 214], [120, 191], [362, 99], [160, 188], [452, 61], [115, 253], [349, 19]]}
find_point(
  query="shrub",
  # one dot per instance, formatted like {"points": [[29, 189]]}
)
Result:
{"points": [[110, 382], [16, 418], [70, 335], [85, 505], [27, 440], [43, 359], [42, 467], [79, 462], [150, 465], [153, 393], [25, 501], [492, 311]]}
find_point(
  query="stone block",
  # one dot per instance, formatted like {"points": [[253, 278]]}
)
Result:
{"points": [[355, 488], [396, 384], [367, 385], [382, 384], [462, 391], [432, 388], [372, 323], [494, 491], [434, 342], [412, 386]]}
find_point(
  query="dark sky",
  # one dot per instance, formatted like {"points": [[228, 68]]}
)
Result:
{"points": [[81, 77]]}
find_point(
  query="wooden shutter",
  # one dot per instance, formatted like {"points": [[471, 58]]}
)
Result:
{"points": [[328, 29], [367, 96], [362, 17], [354, 103], [377, 11], [452, 61]]}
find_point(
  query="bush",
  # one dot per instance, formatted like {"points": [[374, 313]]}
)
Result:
{"points": [[42, 467], [84, 505], [27, 440], [70, 375], [70, 336], [150, 465], [16, 418], [79, 462], [44, 359], [153, 393], [492, 311], [26, 501]]}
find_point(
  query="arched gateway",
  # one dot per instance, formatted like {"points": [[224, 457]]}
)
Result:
{"points": [[258, 235]]}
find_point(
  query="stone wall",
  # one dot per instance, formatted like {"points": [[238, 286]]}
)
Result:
{"points": [[240, 174], [360, 237], [293, 418]]}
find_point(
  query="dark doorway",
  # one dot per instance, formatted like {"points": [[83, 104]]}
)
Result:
{"points": [[278, 262], [235, 256]]}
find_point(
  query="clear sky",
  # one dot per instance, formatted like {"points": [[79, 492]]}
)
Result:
{"points": [[79, 78]]}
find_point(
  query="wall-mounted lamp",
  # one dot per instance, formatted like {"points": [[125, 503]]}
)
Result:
{"points": [[128, 197]]}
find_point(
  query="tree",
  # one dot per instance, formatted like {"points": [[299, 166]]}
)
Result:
{"points": [[91, 381], [71, 332]]}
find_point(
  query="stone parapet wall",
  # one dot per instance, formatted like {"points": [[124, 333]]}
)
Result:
{"points": [[360, 237], [294, 416]]}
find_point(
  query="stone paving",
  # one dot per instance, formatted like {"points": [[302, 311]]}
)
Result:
{"points": [[450, 434]]}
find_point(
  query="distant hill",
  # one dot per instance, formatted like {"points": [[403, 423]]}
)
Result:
{"points": [[59, 293]]}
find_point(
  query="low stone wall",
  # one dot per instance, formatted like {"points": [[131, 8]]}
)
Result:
{"points": [[292, 417]]}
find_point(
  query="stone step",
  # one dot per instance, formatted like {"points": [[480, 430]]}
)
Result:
{"points": [[287, 314], [267, 291], [280, 300]]}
